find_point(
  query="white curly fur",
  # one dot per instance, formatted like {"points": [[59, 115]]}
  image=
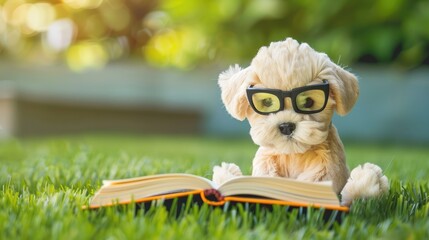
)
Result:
{"points": [[225, 172], [365, 181]]}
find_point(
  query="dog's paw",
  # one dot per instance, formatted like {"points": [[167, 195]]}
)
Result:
{"points": [[225, 172], [364, 182]]}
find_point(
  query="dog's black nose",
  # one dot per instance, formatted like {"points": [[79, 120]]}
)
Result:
{"points": [[287, 128]]}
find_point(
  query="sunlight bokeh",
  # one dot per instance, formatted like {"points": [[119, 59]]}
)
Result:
{"points": [[86, 55], [185, 34]]}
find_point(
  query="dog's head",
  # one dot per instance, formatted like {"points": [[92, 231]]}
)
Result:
{"points": [[288, 94]]}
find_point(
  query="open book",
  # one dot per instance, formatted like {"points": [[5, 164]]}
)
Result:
{"points": [[246, 189]]}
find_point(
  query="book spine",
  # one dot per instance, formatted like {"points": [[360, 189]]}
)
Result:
{"points": [[212, 197]]}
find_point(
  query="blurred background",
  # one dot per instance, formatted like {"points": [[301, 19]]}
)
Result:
{"points": [[151, 66]]}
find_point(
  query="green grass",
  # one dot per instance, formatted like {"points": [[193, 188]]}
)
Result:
{"points": [[44, 183]]}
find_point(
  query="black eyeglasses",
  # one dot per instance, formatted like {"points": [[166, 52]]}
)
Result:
{"points": [[307, 100]]}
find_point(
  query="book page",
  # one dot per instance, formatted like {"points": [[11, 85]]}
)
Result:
{"points": [[152, 177], [282, 189], [126, 190]]}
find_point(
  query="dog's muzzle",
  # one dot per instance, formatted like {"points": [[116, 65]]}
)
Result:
{"points": [[287, 128]]}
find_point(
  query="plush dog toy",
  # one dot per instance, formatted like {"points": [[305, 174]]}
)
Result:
{"points": [[289, 94]]}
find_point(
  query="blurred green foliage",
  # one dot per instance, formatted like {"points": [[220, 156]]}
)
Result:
{"points": [[186, 33]]}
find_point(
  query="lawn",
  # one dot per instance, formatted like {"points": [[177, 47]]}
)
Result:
{"points": [[44, 183]]}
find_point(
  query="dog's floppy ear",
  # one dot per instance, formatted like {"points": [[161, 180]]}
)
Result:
{"points": [[345, 90], [233, 83]]}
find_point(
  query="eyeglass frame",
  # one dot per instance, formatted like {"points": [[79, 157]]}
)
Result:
{"points": [[292, 94]]}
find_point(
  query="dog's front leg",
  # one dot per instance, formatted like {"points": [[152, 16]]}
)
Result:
{"points": [[265, 165], [316, 173]]}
